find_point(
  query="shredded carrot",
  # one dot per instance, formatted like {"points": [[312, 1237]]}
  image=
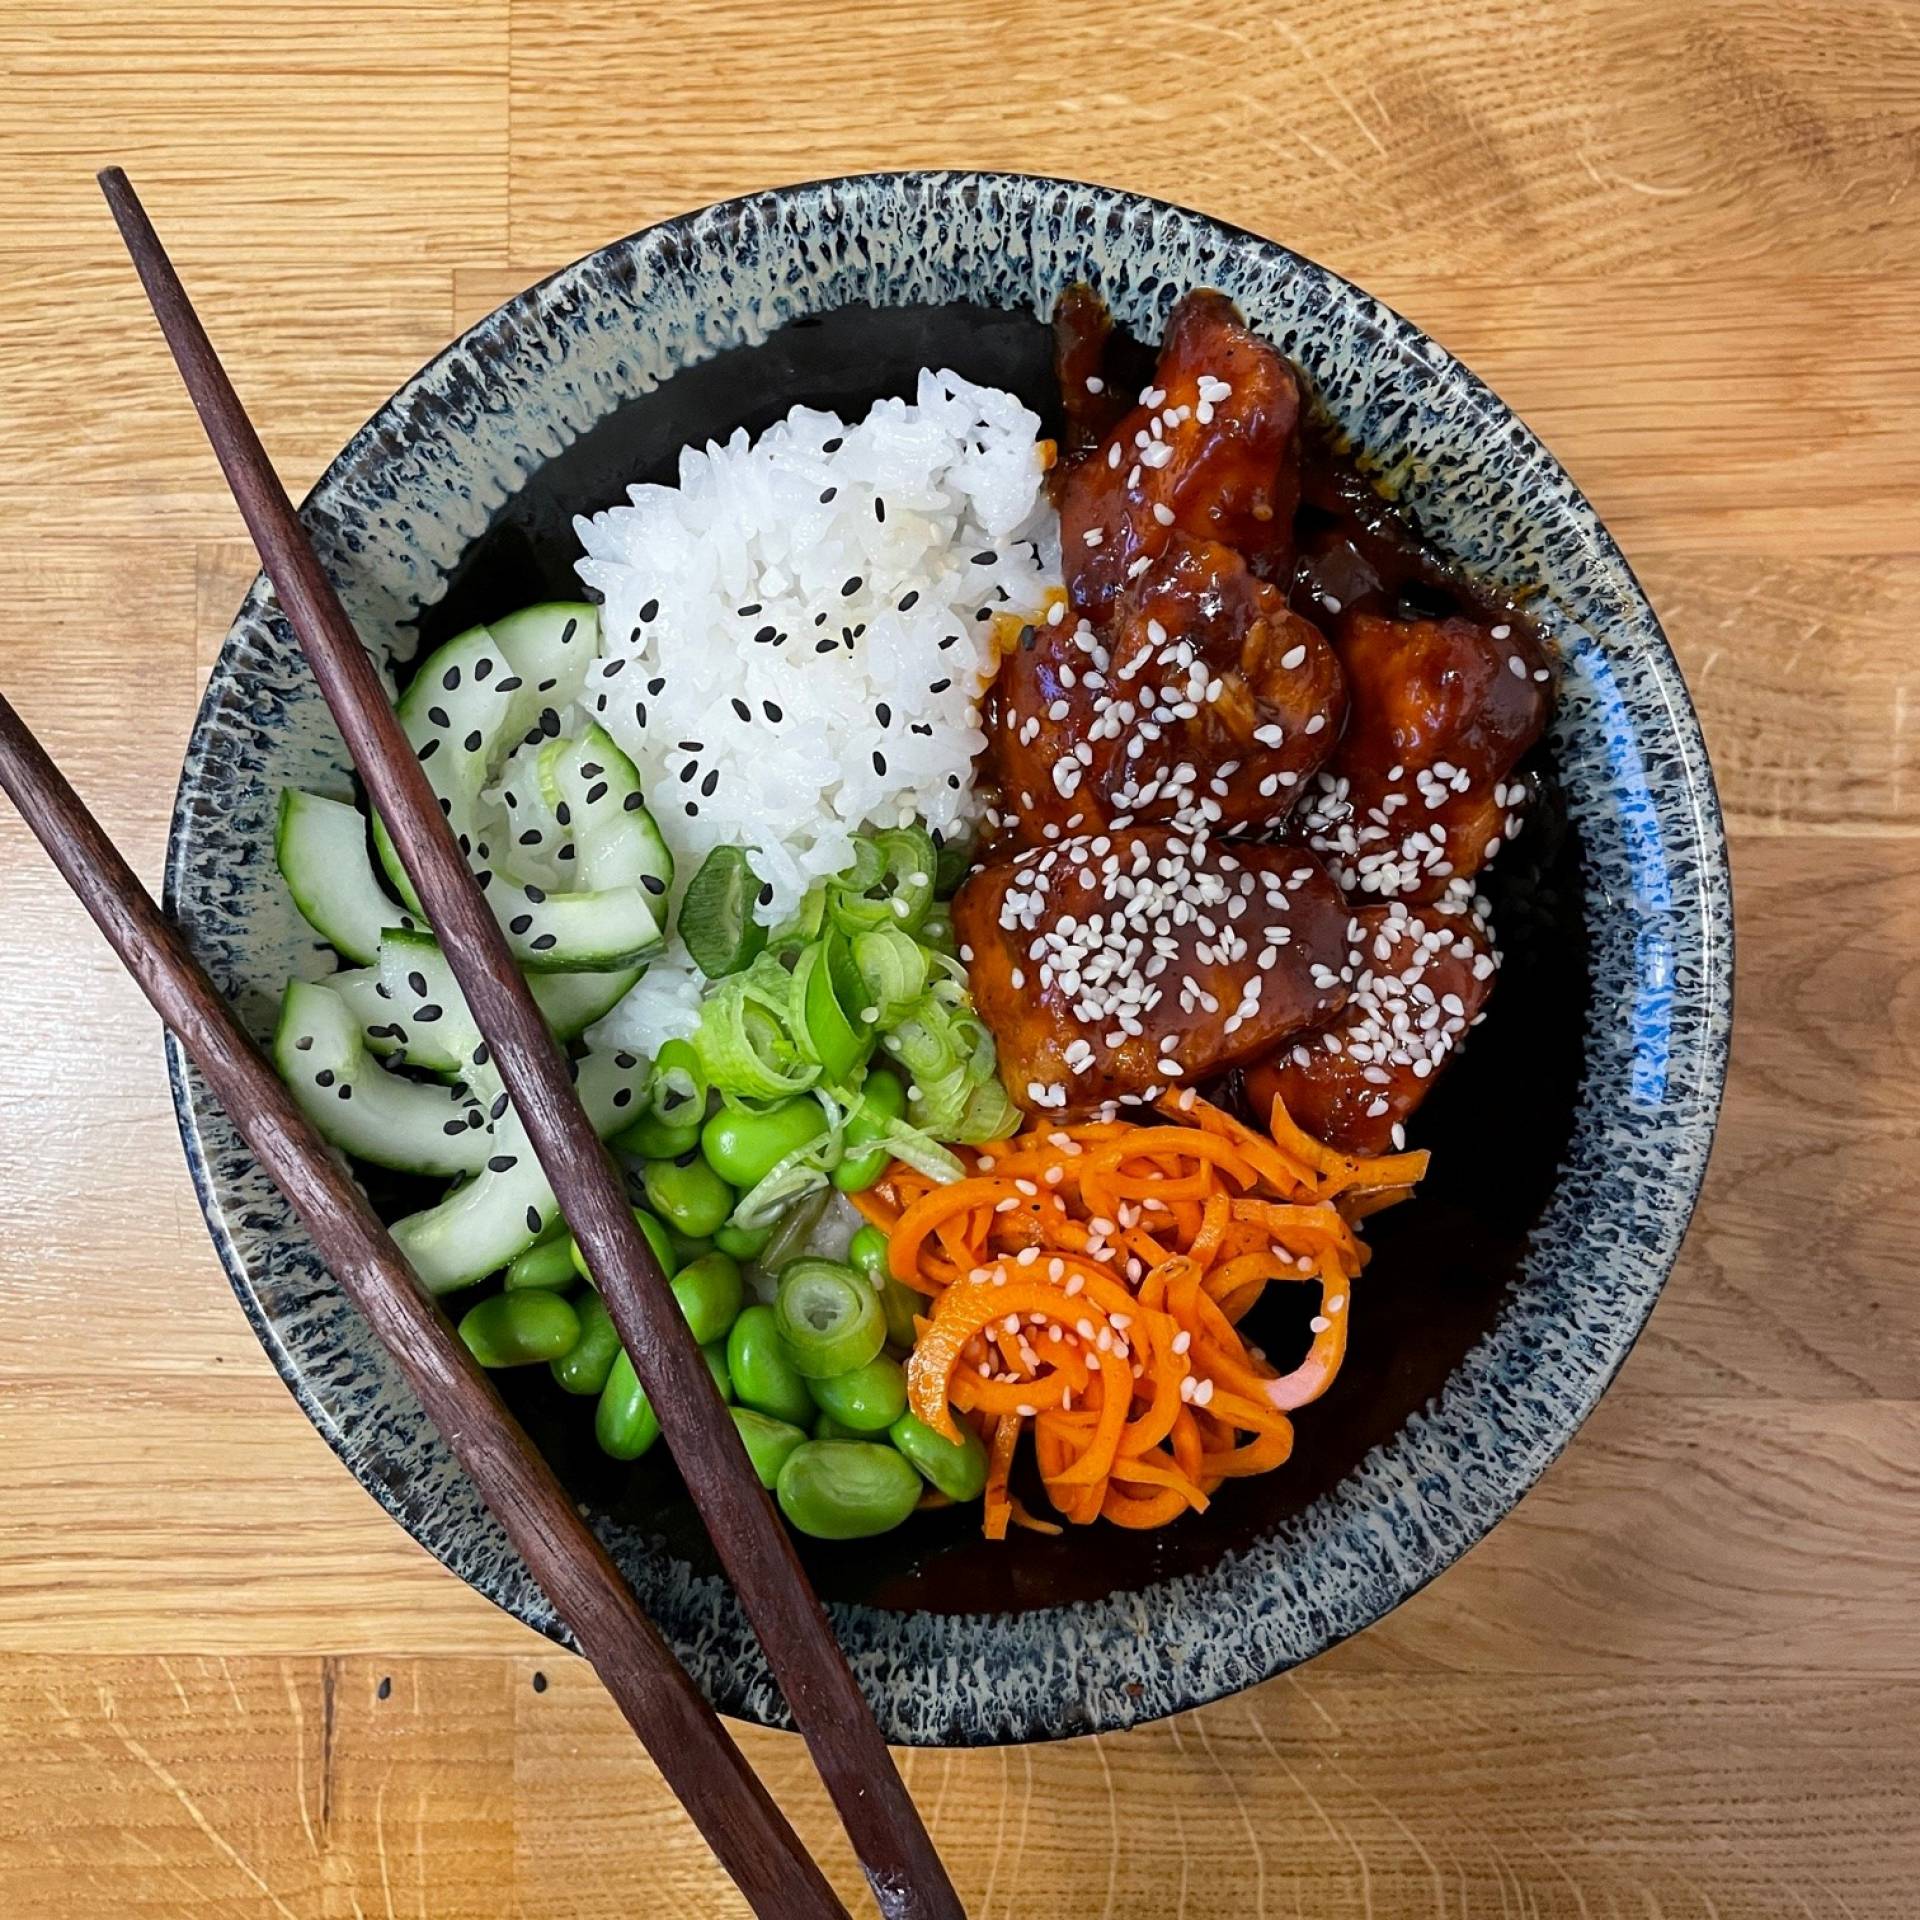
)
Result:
{"points": [[1089, 1283]]}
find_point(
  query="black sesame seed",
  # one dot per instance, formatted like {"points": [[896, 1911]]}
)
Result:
{"points": [[879, 762], [596, 792], [451, 678], [502, 1162], [926, 733], [909, 600], [832, 446], [482, 1054], [611, 667], [550, 724], [324, 1078], [689, 770], [345, 1090], [825, 646], [633, 803], [623, 1096], [533, 1219], [650, 610], [483, 669], [749, 610], [939, 686], [772, 712], [879, 508], [473, 740], [764, 635], [709, 783], [532, 837], [657, 685], [564, 814], [520, 923], [640, 711], [546, 686], [533, 893], [742, 709], [429, 1013], [566, 852], [691, 810], [438, 715], [483, 879], [511, 684], [850, 586], [826, 494], [498, 1108], [568, 631], [446, 805], [819, 619], [418, 982], [544, 942], [625, 1061], [428, 751], [453, 1127], [692, 746], [766, 893], [475, 1119], [985, 613], [985, 558], [591, 769], [653, 883]]}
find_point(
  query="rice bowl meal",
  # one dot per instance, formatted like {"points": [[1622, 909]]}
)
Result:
{"points": [[1007, 896]]}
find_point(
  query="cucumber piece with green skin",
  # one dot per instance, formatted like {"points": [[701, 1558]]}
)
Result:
{"points": [[595, 792], [568, 1002], [550, 647], [578, 932], [321, 848], [479, 1227], [409, 1125]]}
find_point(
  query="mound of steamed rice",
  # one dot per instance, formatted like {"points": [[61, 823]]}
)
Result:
{"points": [[795, 638]]}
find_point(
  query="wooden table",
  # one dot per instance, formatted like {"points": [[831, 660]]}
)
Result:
{"points": [[1681, 236]]}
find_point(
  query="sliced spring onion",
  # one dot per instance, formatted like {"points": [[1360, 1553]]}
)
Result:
{"points": [[716, 917], [795, 1175], [890, 885], [892, 967], [829, 1318], [825, 1021], [745, 1047], [990, 1115], [677, 1087], [955, 856]]}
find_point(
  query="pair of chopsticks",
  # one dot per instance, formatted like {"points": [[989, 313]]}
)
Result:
{"points": [[698, 1759]]}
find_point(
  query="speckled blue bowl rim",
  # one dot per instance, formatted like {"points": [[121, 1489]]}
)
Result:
{"points": [[413, 488]]}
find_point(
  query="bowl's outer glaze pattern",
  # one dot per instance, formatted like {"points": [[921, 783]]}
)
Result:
{"points": [[418, 485]]}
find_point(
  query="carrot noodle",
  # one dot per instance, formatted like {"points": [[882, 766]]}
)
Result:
{"points": [[1087, 1284]]}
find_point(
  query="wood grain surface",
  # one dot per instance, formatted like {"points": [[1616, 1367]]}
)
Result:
{"points": [[1683, 237]]}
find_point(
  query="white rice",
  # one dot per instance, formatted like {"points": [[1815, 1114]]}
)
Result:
{"points": [[836, 582]]}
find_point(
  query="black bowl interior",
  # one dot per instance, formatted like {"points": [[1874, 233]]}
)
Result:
{"points": [[1442, 1262]]}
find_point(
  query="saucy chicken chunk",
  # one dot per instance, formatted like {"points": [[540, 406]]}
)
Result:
{"points": [[1112, 964], [1418, 795], [1421, 976], [1209, 453], [1209, 706]]}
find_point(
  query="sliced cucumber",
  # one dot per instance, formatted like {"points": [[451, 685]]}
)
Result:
{"points": [[380, 1029], [427, 1004], [503, 1210], [457, 715], [595, 792], [576, 932], [550, 647], [409, 1125], [321, 848]]}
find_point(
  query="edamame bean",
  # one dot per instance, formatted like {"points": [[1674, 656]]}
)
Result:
{"points": [[584, 1367], [624, 1421], [688, 1195], [743, 1147], [763, 1376], [883, 1099], [651, 1138], [826, 1427], [867, 1253], [686, 1250], [709, 1291], [656, 1237], [714, 1353], [960, 1472], [768, 1443], [515, 1329], [548, 1263], [744, 1243], [867, 1399], [846, 1489]]}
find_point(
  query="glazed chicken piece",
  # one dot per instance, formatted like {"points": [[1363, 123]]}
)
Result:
{"points": [[1211, 708], [1420, 978], [1112, 965], [1211, 454], [1418, 794]]}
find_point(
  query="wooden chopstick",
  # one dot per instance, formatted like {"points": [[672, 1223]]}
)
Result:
{"points": [[692, 1750], [828, 1709]]}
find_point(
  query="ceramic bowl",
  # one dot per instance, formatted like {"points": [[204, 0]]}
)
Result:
{"points": [[1501, 1302]]}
